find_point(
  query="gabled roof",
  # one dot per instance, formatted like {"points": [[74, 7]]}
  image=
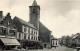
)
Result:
{"points": [[76, 36], [24, 22]]}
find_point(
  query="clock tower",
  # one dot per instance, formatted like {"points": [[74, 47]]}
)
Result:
{"points": [[34, 14]]}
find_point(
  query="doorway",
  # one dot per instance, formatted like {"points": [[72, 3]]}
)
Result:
{"points": [[45, 45]]}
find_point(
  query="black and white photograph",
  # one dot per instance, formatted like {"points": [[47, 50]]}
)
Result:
{"points": [[39, 25]]}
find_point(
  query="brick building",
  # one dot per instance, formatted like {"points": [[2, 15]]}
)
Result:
{"points": [[7, 32], [7, 26]]}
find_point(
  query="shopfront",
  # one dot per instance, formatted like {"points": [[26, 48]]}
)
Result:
{"points": [[8, 42]]}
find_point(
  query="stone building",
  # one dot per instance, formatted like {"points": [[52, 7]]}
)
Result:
{"points": [[44, 32]]}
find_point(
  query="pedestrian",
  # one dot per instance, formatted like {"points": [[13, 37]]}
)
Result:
{"points": [[55, 46], [78, 49]]}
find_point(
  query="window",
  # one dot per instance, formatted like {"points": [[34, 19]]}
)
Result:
{"points": [[32, 38], [19, 35], [36, 32], [25, 29], [24, 36], [14, 32], [28, 30], [8, 22], [36, 38], [28, 36], [4, 30], [1, 29], [32, 31], [39, 39], [56, 42]]}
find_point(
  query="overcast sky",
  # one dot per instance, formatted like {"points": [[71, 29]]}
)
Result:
{"points": [[62, 17]]}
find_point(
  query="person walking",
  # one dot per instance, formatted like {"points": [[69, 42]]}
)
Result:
{"points": [[78, 49]]}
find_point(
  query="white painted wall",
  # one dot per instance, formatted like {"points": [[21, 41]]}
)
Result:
{"points": [[28, 33]]}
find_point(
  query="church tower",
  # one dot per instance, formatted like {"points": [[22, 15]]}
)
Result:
{"points": [[34, 14]]}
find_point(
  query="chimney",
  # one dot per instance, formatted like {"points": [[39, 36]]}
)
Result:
{"points": [[1, 13]]}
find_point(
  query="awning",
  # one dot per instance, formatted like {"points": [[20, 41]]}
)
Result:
{"points": [[3, 26], [8, 41], [2, 36], [13, 29]]}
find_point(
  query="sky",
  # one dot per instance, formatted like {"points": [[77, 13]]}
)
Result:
{"points": [[62, 17]]}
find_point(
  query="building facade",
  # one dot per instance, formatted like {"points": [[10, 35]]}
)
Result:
{"points": [[32, 34], [7, 32], [54, 42], [26, 33], [44, 32], [7, 26]]}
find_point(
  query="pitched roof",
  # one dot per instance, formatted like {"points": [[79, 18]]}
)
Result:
{"points": [[76, 36], [24, 22], [44, 26], [44, 32], [34, 3]]}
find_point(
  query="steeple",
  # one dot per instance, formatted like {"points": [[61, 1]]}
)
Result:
{"points": [[34, 14], [34, 3]]}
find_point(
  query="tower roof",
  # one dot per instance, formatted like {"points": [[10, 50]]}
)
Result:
{"points": [[34, 3]]}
